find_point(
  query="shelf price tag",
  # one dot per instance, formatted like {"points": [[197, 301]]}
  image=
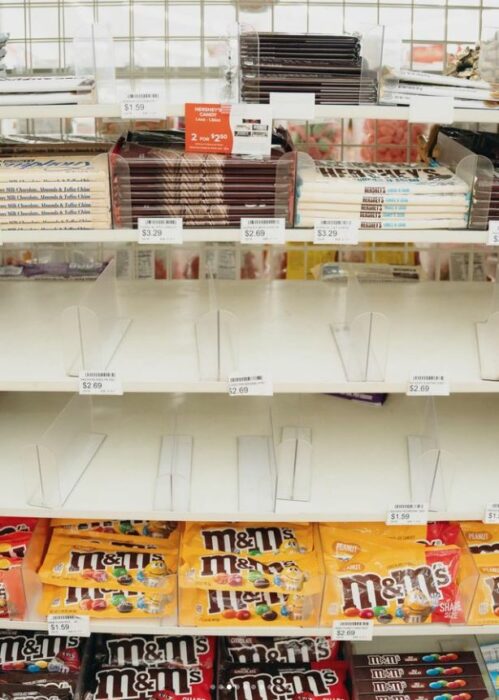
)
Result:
{"points": [[493, 235], [251, 384], [68, 625], [100, 384], [431, 110], [142, 105], [407, 514], [260, 231], [336, 231], [292, 105], [428, 385], [352, 630], [491, 513], [161, 231]]}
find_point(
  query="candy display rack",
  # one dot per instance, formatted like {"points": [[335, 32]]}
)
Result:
{"points": [[93, 329], [487, 334]]}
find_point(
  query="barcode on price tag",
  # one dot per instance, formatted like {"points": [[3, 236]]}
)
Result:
{"points": [[260, 231], [142, 105], [250, 384], [164, 231], [428, 385], [407, 514], [336, 231], [491, 513], [68, 625], [493, 237], [100, 383], [353, 630]]}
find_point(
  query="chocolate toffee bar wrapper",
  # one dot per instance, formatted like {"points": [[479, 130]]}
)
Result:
{"points": [[277, 650], [64, 682], [155, 650], [429, 659], [456, 684]]}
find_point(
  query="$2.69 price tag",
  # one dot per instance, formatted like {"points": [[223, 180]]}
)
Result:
{"points": [[407, 514], [161, 231], [428, 385], [100, 383], [491, 513], [352, 630], [251, 384], [336, 231], [260, 231], [68, 625]]}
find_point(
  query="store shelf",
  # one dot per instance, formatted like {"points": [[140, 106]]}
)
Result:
{"points": [[357, 473], [230, 235], [283, 329]]}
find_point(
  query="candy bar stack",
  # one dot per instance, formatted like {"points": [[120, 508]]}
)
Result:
{"points": [[56, 192], [153, 177], [453, 675], [3, 52], [46, 90], [328, 66], [382, 195]]}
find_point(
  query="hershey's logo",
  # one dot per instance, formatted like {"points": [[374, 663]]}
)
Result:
{"points": [[22, 647], [232, 564], [293, 651], [402, 173], [98, 561], [218, 601], [389, 686], [369, 590], [386, 673], [128, 682], [139, 651], [265, 539], [282, 685]]}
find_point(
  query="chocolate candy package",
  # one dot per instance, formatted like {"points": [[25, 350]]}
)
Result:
{"points": [[264, 682], [108, 529], [66, 683], [14, 692], [155, 650], [20, 650], [318, 651], [430, 659], [253, 539], [430, 671], [416, 685]]}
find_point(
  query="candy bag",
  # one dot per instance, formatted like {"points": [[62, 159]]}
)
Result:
{"points": [[254, 539], [155, 650], [481, 538], [128, 682], [20, 649], [167, 531], [317, 651], [9, 526], [485, 605], [15, 544]]}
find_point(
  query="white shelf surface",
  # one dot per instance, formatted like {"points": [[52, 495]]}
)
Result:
{"points": [[357, 473], [284, 330], [233, 235]]}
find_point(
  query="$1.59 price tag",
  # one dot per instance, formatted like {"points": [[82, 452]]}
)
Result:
{"points": [[336, 231], [407, 514], [68, 625], [493, 237], [251, 384], [491, 513], [142, 105], [260, 231], [352, 630], [428, 385], [161, 231], [100, 384]]}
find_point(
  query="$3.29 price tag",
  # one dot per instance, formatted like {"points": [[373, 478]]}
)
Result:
{"points": [[493, 236], [491, 513], [352, 630], [161, 231], [407, 514], [336, 231], [251, 384], [261, 231], [100, 384], [428, 385], [68, 625], [142, 105]]}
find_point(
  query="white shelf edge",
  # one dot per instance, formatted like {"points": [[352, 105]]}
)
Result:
{"points": [[232, 235], [121, 626], [113, 111]]}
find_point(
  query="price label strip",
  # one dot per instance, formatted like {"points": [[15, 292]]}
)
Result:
{"points": [[100, 384], [491, 513], [68, 625], [493, 236], [261, 231], [352, 630], [428, 385], [142, 105], [407, 514], [336, 232], [254, 384], [158, 231]]}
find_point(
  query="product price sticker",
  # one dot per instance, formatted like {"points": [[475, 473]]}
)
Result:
{"points": [[143, 105], [428, 385], [261, 231], [68, 625], [292, 105], [407, 514], [161, 231], [493, 234], [336, 231], [250, 384], [491, 514], [352, 630], [99, 384]]}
